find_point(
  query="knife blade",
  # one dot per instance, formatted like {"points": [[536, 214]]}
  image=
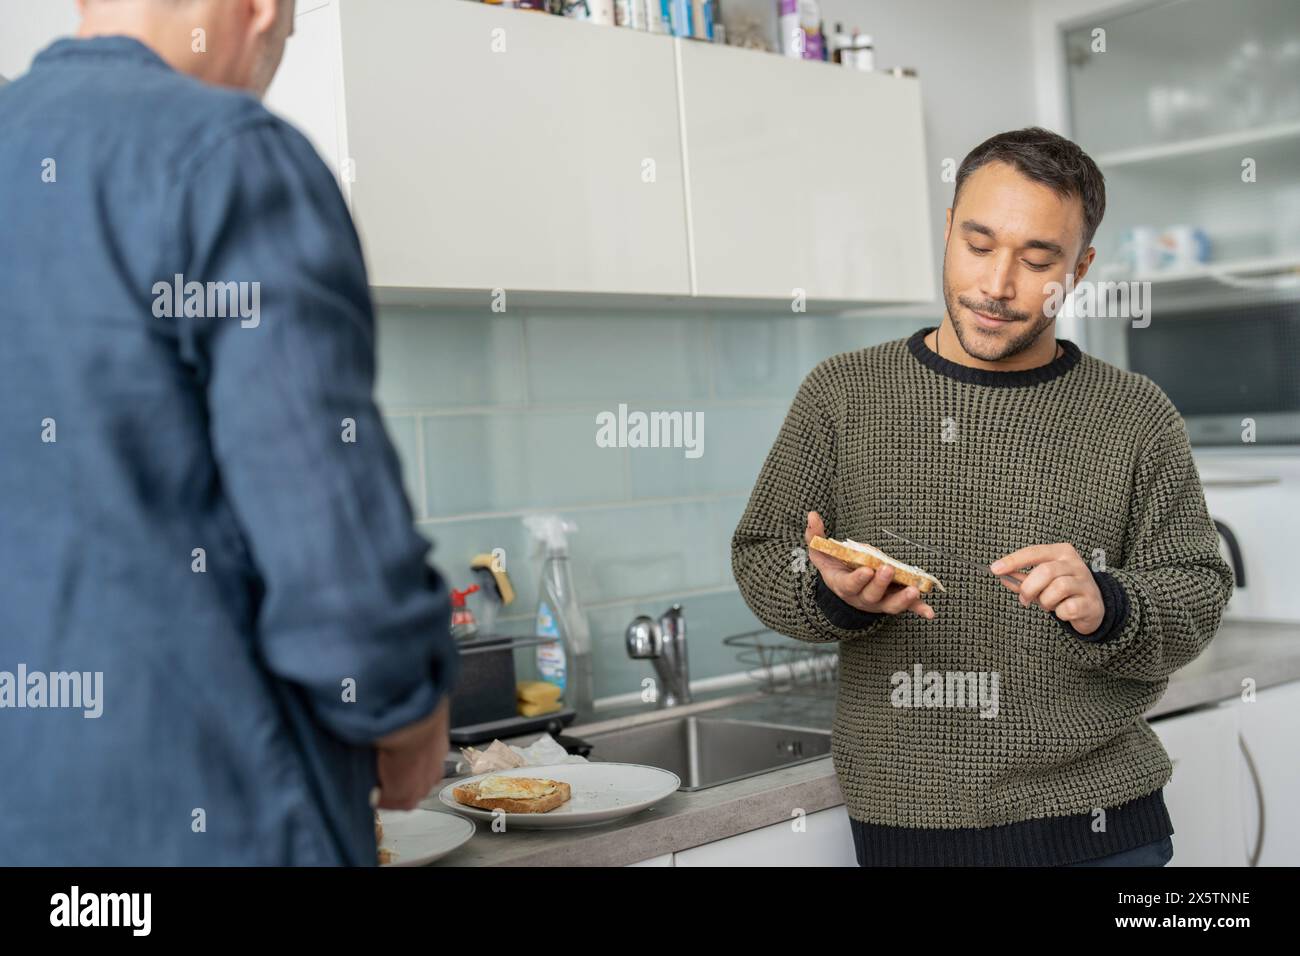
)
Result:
{"points": [[1010, 578]]}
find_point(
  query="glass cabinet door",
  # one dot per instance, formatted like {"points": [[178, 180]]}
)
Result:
{"points": [[1192, 110], [1183, 70]]}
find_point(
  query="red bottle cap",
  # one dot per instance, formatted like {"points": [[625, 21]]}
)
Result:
{"points": [[458, 597]]}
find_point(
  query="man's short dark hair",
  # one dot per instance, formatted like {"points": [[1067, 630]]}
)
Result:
{"points": [[1046, 158]]}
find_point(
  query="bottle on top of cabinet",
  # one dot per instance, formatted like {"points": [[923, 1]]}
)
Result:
{"points": [[593, 11], [810, 21], [859, 54], [791, 31], [836, 41]]}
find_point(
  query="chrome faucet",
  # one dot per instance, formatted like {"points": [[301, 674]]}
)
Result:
{"points": [[665, 644]]}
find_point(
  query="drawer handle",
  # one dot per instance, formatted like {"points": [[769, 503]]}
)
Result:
{"points": [[1259, 799]]}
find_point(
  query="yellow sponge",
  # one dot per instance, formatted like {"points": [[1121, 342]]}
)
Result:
{"points": [[537, 691], [536, 710]]}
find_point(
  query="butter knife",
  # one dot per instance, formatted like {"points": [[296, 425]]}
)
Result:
{"points": [[1009, 578]]}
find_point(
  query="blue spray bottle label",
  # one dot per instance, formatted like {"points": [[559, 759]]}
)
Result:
{"points": [[551, 662]]}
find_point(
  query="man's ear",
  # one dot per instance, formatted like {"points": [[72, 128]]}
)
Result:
{"points": [[263, 15], [1084, 264], [947, 225]]}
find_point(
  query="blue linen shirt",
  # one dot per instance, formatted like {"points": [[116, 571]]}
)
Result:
{"points": [[202, 507]]}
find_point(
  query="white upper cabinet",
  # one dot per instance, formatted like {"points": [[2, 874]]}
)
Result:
{"points": [[489, 148], [483, 148], [308, 86], [804, 176]]}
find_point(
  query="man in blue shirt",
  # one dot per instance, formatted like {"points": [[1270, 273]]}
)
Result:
{"points": [[219, 638]]}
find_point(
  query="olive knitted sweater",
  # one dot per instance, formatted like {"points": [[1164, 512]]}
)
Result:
{"points": [[994, 733]]}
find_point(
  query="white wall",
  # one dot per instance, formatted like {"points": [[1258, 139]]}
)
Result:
{"points": [[28, 26], [974, 60]]}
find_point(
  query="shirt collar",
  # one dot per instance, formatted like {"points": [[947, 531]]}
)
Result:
{"points": [[1069, 358], [123, 48]]}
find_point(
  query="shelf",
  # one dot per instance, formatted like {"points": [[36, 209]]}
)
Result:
{"points": [[1223, 142], [1242, 282], [1252, 274]]}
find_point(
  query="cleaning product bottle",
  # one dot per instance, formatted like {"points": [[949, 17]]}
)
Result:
{"points": [[791, 30], [566, 661], [810, 19], [463, 625]]}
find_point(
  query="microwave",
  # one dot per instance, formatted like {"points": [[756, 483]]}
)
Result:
{"points": [[1224, 365]]}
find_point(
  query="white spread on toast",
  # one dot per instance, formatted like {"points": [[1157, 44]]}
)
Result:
{"points": [[514, 788], [876, 552]]}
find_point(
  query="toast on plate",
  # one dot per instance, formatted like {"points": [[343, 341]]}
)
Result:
{"points": [[513, 794]]}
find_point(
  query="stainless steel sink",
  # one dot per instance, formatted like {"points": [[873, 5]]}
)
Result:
{"points": [[709, 751]]}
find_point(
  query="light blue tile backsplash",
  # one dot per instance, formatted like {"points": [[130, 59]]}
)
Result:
{"points": [[508, 461], [617, 358], [494, 417]]}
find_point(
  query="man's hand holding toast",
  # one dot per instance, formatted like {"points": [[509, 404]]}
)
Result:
{"points": [[863, 588]]}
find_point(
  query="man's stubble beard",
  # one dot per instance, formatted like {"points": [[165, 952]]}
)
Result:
{"points": [[986, 350]]}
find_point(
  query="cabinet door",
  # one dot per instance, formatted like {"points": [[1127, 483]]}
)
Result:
{"points": [[1270, 729], [306, 89], [804, 176], [497, 148], [665, 859], [826, 840], [1202, 796]]}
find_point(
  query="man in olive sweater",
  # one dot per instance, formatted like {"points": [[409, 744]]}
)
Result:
{"points": [[996, 723]]}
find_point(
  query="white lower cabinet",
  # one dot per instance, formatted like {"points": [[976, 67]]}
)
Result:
{"points": [[1231, 761], [1236, 782], [822, 839], [1203, 796], [1269, 774]]}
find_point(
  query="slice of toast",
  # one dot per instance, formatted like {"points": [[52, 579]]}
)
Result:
{"points": [[468, 794], [864, 555]]}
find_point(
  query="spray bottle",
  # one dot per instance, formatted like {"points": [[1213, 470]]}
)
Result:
{"points": [[565, 661]]}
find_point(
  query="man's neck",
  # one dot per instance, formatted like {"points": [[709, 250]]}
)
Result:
{"points": [[163, 31], [944, 343]]}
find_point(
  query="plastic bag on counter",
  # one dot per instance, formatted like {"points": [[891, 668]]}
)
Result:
{"points": [[541, 752]]}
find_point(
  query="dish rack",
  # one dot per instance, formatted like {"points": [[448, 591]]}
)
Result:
{"points": [[782, 665]]}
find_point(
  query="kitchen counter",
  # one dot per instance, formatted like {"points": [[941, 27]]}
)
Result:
{"points": [[1268, 652]]}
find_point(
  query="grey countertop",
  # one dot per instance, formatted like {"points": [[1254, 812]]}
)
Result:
{"points": [[1268, 652]]}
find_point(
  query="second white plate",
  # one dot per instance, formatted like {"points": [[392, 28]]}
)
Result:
{"points": [[422, 836]]}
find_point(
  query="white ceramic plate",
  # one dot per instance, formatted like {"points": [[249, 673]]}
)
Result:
{"points": [[600, 792], [422, 836]]}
